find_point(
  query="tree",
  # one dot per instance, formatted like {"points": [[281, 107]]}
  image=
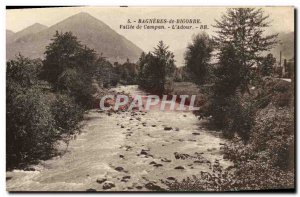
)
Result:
{"points": [[156, 69], [30, 126], [267, 64], [60, 54], [70, 67], [244, 28], [225, 100], [197, 57]]}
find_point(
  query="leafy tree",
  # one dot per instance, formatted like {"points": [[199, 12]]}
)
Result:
{"points": [[30, 125], [70, 67], [157, 69], [107, 73], [128, 72], [37, 117], [142, 65], [267, 64], [23, 71], [225, 99], [197, 57], [244, 28]]}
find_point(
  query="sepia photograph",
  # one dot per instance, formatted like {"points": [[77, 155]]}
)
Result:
{"points": [[150, 99]]}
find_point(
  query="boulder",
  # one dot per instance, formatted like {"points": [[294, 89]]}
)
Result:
{"points": [[101, 180], [152, 186], [179, 168], [170, 178], [108, 185], [119, 169]]}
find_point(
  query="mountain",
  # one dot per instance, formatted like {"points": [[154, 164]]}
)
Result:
{"points": [[88, 29], [9, 35], [32, 29], [285, 45]]}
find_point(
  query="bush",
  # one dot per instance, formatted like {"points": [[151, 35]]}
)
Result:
{"points": [[231, 115], [78, 86], [35, 117], [274, 133], [30, 127], [67, 115], [70, 67]]}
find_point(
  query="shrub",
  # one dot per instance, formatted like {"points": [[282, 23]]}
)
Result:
{"points": [[30, 127], [67, 115], [35, 117], [70, 67], [78, 86]]}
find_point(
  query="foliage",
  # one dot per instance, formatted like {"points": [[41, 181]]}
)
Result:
{"points": [[267, 64], [36, 117], [67, 114], [244, 28], [23, 71], [224, 100], [128, 73], [197, 57], [156, 70], [30, 129], [70, 67], [266, 161], [263, 150]]}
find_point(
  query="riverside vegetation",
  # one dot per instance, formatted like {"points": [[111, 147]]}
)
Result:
{"points": [[232, 77], [46, 99]]}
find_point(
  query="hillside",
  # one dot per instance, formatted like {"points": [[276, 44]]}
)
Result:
{"points": [[286, 46], [9, 35], [89, 30], [32, 29]]}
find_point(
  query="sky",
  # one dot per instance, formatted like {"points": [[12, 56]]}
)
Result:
{"points": [[17, 19]]}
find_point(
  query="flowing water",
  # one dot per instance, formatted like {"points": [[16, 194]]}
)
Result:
{"points": [[127, 149]]}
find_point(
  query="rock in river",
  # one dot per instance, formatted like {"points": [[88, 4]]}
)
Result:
{"points": [[119, 169], [179, 168], [108, 185], [152, 186], [101, 180]]}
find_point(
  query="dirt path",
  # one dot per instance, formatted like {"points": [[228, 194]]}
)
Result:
{"points": [[126, 151]]}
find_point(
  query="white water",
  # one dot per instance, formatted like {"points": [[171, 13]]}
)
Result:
{"points": [[95, 153]]}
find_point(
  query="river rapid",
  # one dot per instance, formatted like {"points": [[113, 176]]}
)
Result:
{"points": [[127, 151]]}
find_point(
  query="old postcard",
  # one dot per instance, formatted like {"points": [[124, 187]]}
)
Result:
{"points": [[147, 99]]}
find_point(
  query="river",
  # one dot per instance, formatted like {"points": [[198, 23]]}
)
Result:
{"points": [[127, 151]]}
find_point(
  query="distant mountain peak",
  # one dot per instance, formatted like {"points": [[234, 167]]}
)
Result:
{"points": [[34, 27], [83, 16], [39, 25], [89, 30]]}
